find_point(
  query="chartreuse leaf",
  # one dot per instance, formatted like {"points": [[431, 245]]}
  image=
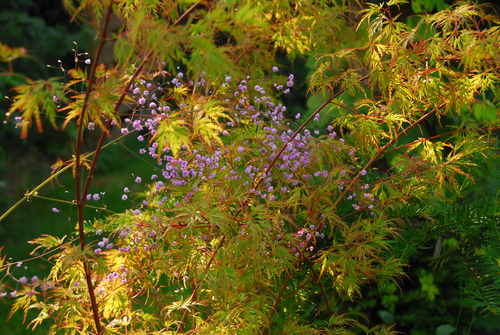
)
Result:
{"points": [[34, 99], [172, 133], [2, 260], [8, 54], [23, 302], [206, 121], [47, 241], [107, 89]]}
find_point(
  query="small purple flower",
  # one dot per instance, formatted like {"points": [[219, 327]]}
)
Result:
{"points": [[55, 210], [109, 245], [137, 212], [228, 79], [240, 150], [297, 116], [99, 232], [275, 69], [97, 251], [363, 172], [101, 244], [138, 180], [13, 294], [96, 197], [23, 280], [87, 61], [124, 131], [123, 234], [34, 279], [140, 138], [142, 100]]}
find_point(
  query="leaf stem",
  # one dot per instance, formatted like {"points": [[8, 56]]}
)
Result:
{"points": [[33, 192]]}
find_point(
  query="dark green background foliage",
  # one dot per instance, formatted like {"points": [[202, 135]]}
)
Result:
{"points": [[457, 290]]}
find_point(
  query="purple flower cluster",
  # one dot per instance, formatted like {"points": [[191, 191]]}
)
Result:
{"points": [[237, 165], [103, 244], [306, 235], [115, 276], [29, 285], [364, 200]]}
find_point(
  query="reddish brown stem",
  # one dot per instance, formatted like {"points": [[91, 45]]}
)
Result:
{"points": [[80, 197], [318, 280], [421, 140], [108, 126], [195, 291], [186, 13], [320, 108], [335, 205]]}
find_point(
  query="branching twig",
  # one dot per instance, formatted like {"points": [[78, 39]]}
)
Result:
{"points": [[80, 197], [335, 205], [313, 115]]}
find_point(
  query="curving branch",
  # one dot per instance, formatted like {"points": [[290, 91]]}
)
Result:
{"points": [[379, 153]]}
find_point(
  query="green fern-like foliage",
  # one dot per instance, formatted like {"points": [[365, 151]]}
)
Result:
{"points": [[473, 229]]}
